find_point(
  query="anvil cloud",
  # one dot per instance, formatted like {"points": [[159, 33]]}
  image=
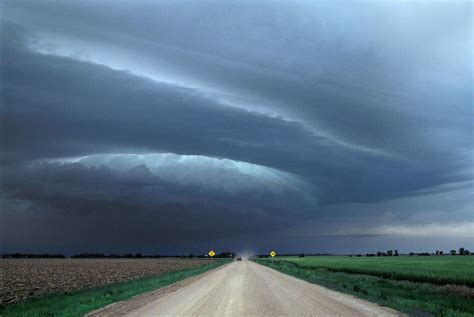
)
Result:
{"points": [[166, 127]]}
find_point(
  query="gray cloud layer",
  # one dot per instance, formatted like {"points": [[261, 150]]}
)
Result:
{"points": [[294, 109]]}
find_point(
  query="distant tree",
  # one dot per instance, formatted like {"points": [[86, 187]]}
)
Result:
{"points": [[453, 252], [379, 253], [396, 253], [89, 255], [32, 256], [461, 251], [226, 255], [441, 252], [389, 252], [411, 253], [437, 252]]}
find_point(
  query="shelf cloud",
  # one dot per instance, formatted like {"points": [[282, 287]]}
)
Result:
{"points": [[165, 126]]}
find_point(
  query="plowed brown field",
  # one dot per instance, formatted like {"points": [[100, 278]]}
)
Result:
{"points": [[24, 278]]}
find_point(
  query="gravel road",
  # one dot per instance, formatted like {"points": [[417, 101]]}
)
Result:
{"points": [[245, 289]]}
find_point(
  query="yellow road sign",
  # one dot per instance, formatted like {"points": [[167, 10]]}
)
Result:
{"points": [[211, 253], [272, 254]]}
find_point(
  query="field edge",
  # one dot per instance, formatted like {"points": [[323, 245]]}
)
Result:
{"points": [[358, 284], [84, 301]]}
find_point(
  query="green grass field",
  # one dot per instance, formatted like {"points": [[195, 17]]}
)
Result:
{"points": [[432, 269], [81, 302], [419, 286]]}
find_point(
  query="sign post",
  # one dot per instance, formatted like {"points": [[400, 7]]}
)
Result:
{"points": [[273, 254], [211, 253]]}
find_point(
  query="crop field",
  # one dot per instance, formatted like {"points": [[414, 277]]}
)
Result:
{"points": [[418, 285], [440, 270], [24, 278]]}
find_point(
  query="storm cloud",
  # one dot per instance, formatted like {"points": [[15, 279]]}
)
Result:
{"points": [[165, 127]]}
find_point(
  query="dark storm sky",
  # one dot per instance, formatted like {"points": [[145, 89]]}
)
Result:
{"points": [[182, 126]]}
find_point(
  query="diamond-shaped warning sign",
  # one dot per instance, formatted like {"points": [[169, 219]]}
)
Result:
{"points": [[211, 253], [272, 254]]}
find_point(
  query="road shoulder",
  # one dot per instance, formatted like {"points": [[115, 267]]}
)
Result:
{"points": [[123, 307]]}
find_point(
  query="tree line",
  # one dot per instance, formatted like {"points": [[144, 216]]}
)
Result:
{"points": [[111, 256], [461, 251]]}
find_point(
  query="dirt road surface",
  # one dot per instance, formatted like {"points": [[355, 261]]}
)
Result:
{"points": [[245, 289]]}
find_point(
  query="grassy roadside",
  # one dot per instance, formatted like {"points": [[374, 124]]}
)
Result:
{"points": [[81, 302], [413, 298]]}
